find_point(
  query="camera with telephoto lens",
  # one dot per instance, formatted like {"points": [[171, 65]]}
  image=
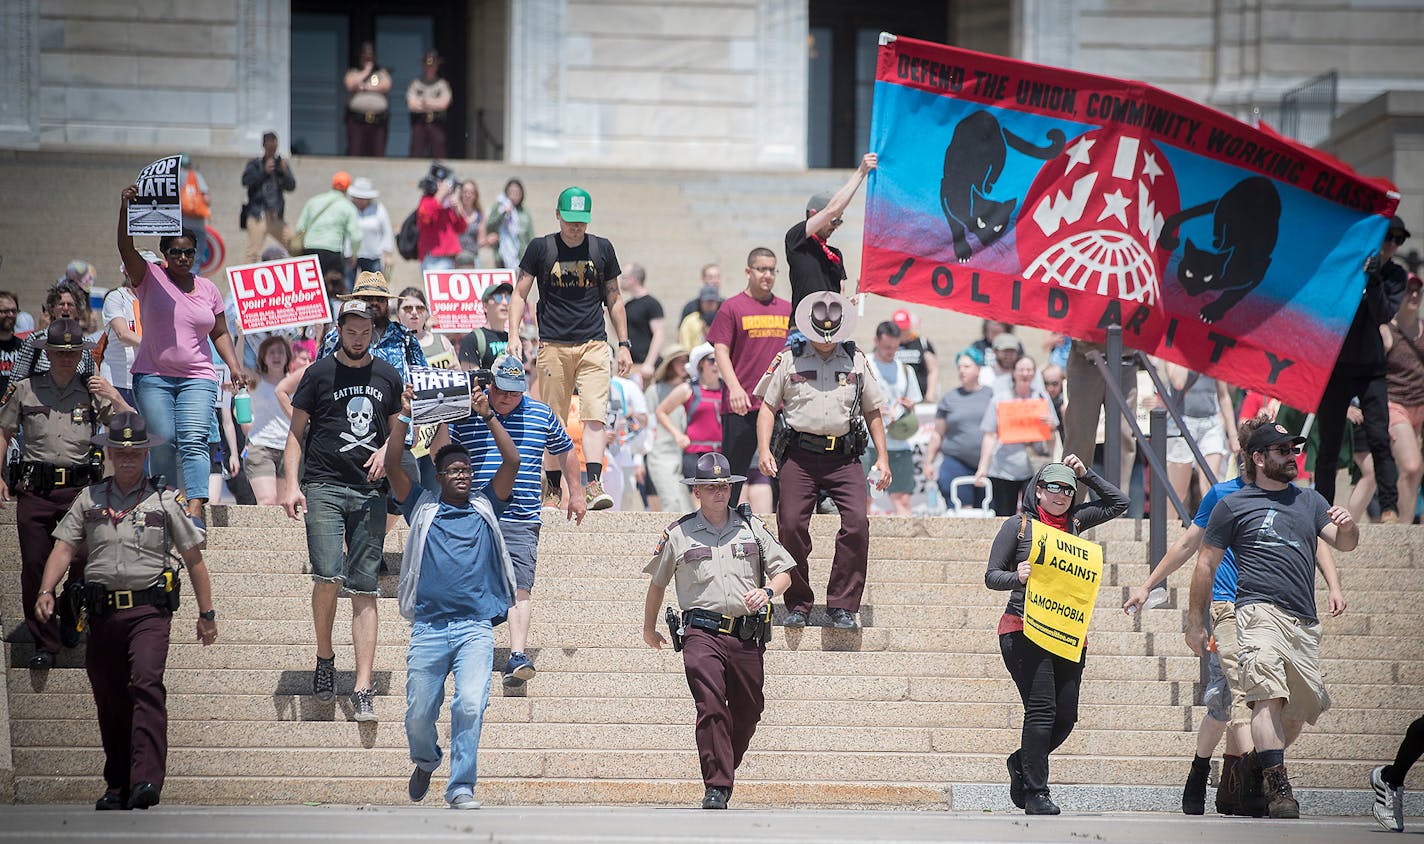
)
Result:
{"points": [[430, 183], [484, 378]]}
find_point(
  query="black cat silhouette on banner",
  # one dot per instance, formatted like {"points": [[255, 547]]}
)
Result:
{"points": [[1068, 201]]}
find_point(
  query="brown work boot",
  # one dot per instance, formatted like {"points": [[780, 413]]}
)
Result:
{"points": [[553, 496], [596, 498], [1250, 787], [1278, 791]]}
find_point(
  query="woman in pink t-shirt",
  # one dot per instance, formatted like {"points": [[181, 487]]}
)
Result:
{"points": [[174, 382], [702, 399]]}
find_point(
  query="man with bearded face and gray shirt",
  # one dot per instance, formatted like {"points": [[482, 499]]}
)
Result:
{"points": [[1271, 527]]}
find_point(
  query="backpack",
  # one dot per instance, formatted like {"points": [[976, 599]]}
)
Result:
{"points": [[408, 238], [595, 253]]}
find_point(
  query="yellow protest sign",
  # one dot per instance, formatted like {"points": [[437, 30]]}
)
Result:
{"points": [[1061, 590]]}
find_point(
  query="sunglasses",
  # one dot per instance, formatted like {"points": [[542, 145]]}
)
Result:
{"points": [[1283, 450], [175, 252], [1058, 487], [413, 309], [456, 473], [837, 222], [499, 297]]}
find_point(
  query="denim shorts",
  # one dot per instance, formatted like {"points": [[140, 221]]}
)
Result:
{"points": [[346, 532], [521, 539]]}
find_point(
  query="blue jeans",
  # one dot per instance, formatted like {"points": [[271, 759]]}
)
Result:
{"points": [[180, 410], [466, 647], [437, 262], [951, 468]]}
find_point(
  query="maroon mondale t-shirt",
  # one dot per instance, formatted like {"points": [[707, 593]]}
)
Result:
{"points": [[753, 333]]}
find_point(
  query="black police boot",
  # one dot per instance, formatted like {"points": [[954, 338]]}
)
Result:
{"points": [[1039, 803], [841, 619], [795, 618], [1194, 792], [143, 795], [1228, 790], [42, 661], [1016, 782], [716, 798], [112, 801], [1253, 791]]}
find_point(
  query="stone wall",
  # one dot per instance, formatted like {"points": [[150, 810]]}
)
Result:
{"points": [[1385, 137], [201, 75]]}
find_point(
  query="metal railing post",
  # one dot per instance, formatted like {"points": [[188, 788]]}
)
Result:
{"points": [[1157, 535], [1112, 412], [1159, 466], [1186, 434]]}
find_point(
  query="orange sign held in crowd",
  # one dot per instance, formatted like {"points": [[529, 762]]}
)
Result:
{"points": [[1021, 421], [287, 293], [455, 304]]}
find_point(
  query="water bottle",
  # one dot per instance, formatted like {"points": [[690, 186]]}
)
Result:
{"points": [[242, 407]]}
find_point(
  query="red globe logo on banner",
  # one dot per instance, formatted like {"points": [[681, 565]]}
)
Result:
{"points": [[1094, 215]]}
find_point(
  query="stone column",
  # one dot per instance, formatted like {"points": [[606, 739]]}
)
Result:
{"points": [[782, 29], [264, 74], [538, 31], [1046, 32], [20, 74]]}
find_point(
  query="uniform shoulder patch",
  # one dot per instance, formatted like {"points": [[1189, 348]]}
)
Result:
{"points": [[775, 362], [9, 391]]}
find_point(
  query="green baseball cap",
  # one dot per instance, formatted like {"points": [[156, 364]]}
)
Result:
{"points": [[575, 205]]}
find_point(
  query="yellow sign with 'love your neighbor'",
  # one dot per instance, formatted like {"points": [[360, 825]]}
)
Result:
{"points": [[1061, 590]]}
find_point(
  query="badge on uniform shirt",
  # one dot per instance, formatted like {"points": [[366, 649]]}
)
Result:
{"points": [[841, 379], [77, 416]]}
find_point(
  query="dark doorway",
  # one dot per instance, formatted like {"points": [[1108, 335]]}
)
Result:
{"points": [[326, 36], [844, 35]]}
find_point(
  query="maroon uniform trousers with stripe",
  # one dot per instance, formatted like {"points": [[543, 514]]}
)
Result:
{"points": [[725, 676], [37, 514], [801, 475], [126, 656]]}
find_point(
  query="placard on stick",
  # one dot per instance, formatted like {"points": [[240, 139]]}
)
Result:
{"points": [[441, 395], [455, 297], [1021, 421], [158, 208], [286, 293]]}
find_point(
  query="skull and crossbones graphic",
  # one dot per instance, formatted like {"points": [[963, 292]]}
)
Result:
{"points": [[359, 415]]}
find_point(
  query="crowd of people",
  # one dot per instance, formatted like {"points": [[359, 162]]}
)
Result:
{"points": [[588, 399]]}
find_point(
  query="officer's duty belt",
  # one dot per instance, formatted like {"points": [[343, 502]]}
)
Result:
{"points": [[818, 443], [374, 118], [43, 477], [743, 626], [101, 601], [427, 117]]}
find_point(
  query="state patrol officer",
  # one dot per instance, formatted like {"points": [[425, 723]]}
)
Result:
{"points": [[820, 387], [55, 412], [130, 526], [720, 559]]}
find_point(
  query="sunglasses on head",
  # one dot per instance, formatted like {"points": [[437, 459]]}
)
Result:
{"points": [[1058, 487], [175, 252]]}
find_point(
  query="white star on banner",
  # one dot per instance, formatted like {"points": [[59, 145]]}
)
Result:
{"points": [[1078, 153], [1150, 168], [1115, 205]]}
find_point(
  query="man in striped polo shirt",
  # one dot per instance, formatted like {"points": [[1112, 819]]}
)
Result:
{"points": [[534, 428]]}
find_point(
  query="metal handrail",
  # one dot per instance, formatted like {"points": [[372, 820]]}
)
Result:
{"points": [[1177, 417]]}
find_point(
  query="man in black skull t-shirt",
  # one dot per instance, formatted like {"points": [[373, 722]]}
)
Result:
{"points": [[577, 275]]}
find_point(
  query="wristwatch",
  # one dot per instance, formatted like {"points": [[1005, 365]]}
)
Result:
{"points": [[770, 593], [625, 344], [210, 615]]}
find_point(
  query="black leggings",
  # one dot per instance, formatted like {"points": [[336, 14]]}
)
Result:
{"points": [[1374, 404], [1048, 686], [1409, 752], [1007, 495]]}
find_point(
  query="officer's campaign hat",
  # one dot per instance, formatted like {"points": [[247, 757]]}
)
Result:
{"points": [[713, 468], [127, 430], [64, 335], [826, 317]]}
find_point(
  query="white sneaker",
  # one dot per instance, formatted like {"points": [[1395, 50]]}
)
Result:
{"points": [[464, 801], [1389, 802]]}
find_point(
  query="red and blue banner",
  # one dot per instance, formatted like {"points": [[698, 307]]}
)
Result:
{"points": [[1067, 201]]}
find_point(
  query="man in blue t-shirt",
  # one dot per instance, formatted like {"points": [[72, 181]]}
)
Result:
{"points": [[1274, 528], [1223, 697], [456, 583], [535, 429]]}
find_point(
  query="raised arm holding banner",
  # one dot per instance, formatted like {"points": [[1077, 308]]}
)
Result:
{"points": [[1070, 202], [441, 395]]}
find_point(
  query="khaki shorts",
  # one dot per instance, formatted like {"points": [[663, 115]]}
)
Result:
{"points": [[563, 365], [1223, 630], [1280, 658], [263, 462]]}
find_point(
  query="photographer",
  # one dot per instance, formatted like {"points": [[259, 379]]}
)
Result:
{"points": [[266, 178], [439, 221]]}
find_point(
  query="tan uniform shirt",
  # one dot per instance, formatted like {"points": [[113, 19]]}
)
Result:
{"points": [[715, 568], [57, 421], [127, 554], [373, 102], [816, 394], [422, 90]]}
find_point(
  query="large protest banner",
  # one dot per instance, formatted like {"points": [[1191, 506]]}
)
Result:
{"points": [[158, 208], [286, 293], [1070, 202], [1061, 590], [441, 395], [455, 297]]}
